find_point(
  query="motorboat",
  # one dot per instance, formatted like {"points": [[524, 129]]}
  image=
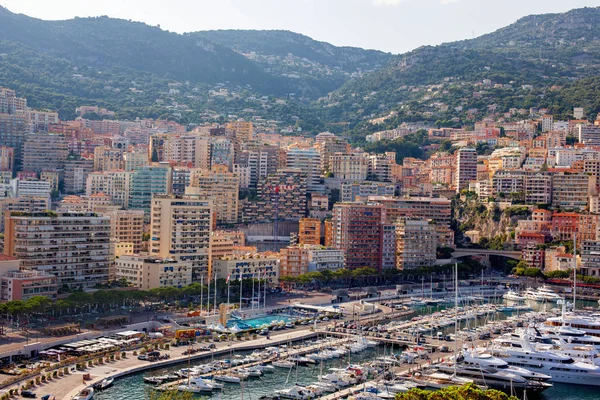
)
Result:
{"points": [[283, 364], [301, 360], [104, 383], [296, 392], [85, 394], [484, 358], [514, 296], [251, 371], [231, 378], [562, 368], [196, 386], [543, 293], [438, 380], [569, 335]]}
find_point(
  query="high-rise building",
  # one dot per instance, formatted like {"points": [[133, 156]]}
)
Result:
{"points": [[74, 247], [349, 167], [127, 226], [180, 228], [260, 161], [350, 191], [307, 161], [10, 103], [309, 231], [181, 179], [547, 122], [7, 158], [13, 133], [112, 183], [328, 148], [293, 261], [44, 152], [466, 168], [148, 181], [281, 195], [571, 191], [358, 230], [589, 134], [222, 187], [416, 243], [76, 173], [108, 158], [243, 130]]}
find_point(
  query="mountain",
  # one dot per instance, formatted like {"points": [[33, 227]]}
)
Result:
{"points": [[289, 54], [519, 66]]}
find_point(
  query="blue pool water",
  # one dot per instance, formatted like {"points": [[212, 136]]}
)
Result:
{"points": [[257, 322]]}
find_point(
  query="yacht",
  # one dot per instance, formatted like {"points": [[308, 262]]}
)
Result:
{"points": [[590, 324], [85, 394], [494, 378], [283, 364], [568, 334], [513, 296], [562, 368], [296, 393], [483, 358], [196, 386], [438, 380], [543, 293]]}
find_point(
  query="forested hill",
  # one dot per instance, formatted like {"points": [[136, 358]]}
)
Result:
{"points": [[538, 51], [104, 43]]}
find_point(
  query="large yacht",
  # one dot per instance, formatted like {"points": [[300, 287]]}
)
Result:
{"points": [[568, 334], [590, 324], [543, 293], [514, 296], [562, 368]]}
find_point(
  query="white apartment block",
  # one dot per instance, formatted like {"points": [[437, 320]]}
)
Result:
{"points": [[148, 273]]}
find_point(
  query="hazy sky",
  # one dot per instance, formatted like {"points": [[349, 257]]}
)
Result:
{"points": [[389, 25]]}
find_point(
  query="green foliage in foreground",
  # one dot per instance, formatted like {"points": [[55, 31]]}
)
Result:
{"points": [[466, 392]]}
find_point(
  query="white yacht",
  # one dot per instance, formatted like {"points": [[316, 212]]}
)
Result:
{"points": [[562, 368], [283, 364], [514, 296], [196, 386], [483, 358], [590, 324], [570, 335], [296, 393], [543, 293]]}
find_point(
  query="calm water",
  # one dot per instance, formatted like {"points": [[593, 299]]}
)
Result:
{"points": [[133, 387]]}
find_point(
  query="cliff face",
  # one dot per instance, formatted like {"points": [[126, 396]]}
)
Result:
{"points": [[473, 220]]}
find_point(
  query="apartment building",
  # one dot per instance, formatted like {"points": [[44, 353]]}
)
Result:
{"points": [[25, 284], [148, 273], [72, 246], [293, 261], [309, 231], [349, 192], [349, 167], [309, 162], [180, 228], [108, 158], [222, 187], [14, 130], [328, 148], [243, 130], [416, 243], [466, 167], [571, 190], [7, 158], [357, 229], [127, 226], [115, 184], [325, 259], [148, 181], [249, 266]]}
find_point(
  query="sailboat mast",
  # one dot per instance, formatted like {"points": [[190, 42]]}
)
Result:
{"points": [[455, 316], [574, 270]]}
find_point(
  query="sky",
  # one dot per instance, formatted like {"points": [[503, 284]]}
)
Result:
{"points": [[393, 26]]}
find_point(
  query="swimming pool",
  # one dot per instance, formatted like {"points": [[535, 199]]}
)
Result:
{"points": [[257, 322]]}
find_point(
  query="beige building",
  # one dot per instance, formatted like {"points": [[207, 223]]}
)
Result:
{"points": [[180, 228], [249, 266], [127, 226], [416, 243], [243, 130], [224, 243], [113, 183], [220, 186], [349, 167], [148, 273], [571, 191]]}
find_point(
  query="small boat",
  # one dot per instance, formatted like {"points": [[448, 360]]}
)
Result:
{"points": [[296, 393], [85, 394], [513, 296], [251, 371], [104, 384], [283, 364], [195, 386]]}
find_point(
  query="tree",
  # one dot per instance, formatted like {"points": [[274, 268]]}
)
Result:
{"points": [[466, 392]]}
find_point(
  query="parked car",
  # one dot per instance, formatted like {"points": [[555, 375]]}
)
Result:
{"points": [[29, 394]]}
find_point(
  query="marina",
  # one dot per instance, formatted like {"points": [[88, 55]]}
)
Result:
{"points": [[392, 356]]}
